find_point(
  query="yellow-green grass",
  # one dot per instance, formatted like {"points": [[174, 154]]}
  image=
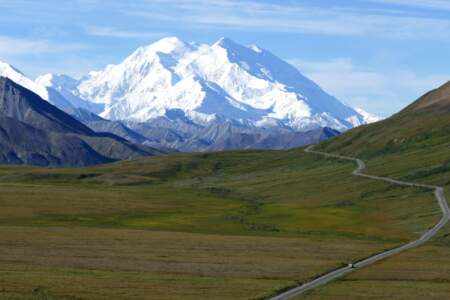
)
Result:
{"points": [[277, 193], [381, 289], [412, 147], [234, 225], [421, 273], [106, 263]]}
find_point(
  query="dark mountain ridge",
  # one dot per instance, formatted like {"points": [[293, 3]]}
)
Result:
{"points": [[35, 132]]}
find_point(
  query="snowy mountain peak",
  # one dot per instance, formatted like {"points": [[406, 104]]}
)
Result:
{"points": [[7, 68], [231, 46], [225, 80], [225, 42], [169, 45], [46, 79], [56, 80]]}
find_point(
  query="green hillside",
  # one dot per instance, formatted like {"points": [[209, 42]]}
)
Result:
{"points": [[413, 145]]}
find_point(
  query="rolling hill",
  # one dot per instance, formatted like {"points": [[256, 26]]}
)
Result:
{"points": [[412, 145]]}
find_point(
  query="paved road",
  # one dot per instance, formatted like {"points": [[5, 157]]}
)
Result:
{"points": [[440, 197]]}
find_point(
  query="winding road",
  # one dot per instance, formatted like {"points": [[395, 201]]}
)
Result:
{"points": [[323, 279]]}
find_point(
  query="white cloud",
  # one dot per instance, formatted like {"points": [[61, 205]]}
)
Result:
{"points": [[13, 47], [294, 17], [38, 56], [375, 91], [349, 18], [431, 4], [114, 32]]}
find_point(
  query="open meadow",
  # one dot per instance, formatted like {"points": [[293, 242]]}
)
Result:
{"points": [[232, 225]]}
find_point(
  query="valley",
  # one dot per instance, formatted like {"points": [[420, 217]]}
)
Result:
{"points": [[138, 165], [125, 227]]}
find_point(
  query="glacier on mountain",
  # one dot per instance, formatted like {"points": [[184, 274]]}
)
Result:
{"points": [[198, 97], [222, 81]]}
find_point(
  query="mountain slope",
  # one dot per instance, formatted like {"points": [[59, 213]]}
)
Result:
{"points": [[35, 132], [44, 92], [49, 88], [24, 144], [60, 85], [413, 145], [415, 142], [208, 83], [437, 100], [225, 135]]}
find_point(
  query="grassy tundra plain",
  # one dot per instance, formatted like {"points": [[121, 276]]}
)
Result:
{"points": [[234, 225]]}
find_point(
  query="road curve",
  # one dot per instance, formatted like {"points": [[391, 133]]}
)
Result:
{"points": [[323, 279]]}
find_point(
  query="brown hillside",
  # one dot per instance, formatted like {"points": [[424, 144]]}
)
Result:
{"points": [[437, 100]]}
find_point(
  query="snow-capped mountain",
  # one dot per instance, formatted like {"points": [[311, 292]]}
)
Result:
{"points": [[207, 83], [197, 97], [66, 87], [49, 89], [368, 117], [45, 92], [34, 132]]}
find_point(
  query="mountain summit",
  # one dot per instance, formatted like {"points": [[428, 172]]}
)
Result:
{"points": [[207, 83], [198, 97]]}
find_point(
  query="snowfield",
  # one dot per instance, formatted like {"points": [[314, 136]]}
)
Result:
{"points": [[206, 83]]}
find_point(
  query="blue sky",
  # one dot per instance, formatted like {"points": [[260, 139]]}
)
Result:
{"points": [[375, 54]]}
